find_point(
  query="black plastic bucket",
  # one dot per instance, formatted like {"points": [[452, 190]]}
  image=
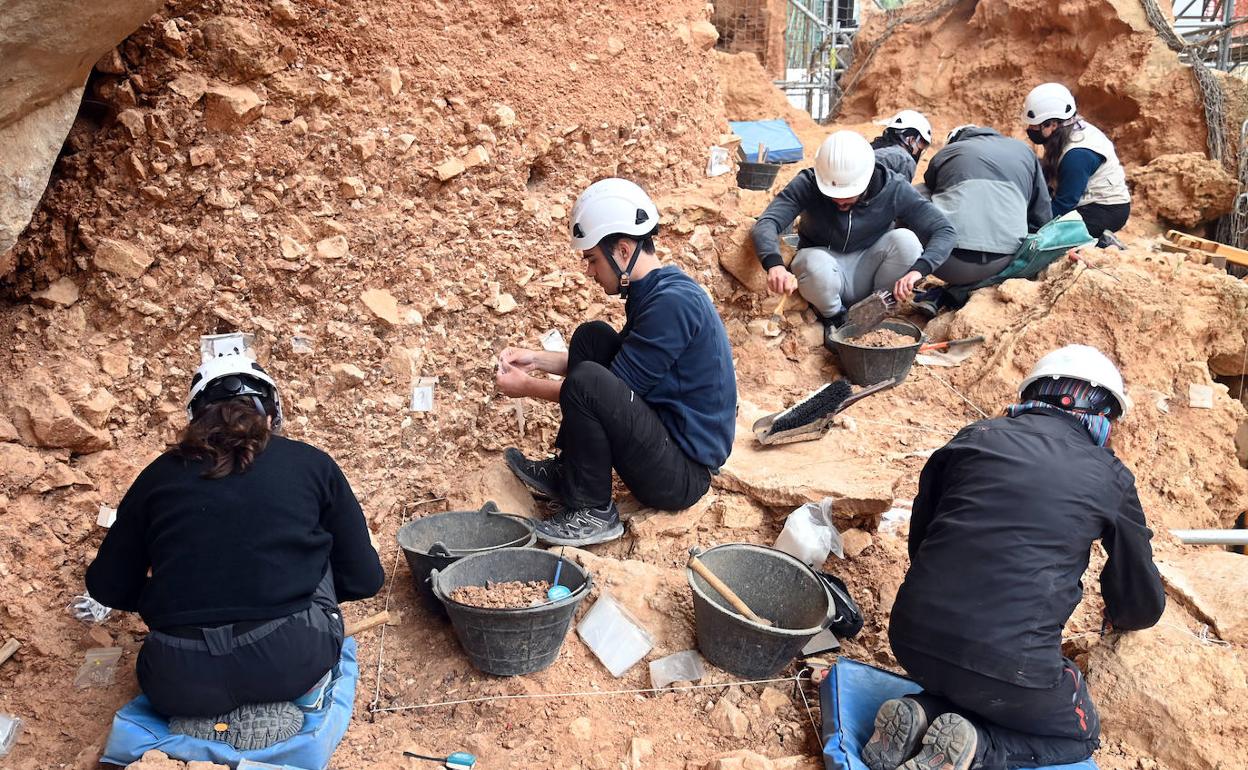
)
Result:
{"points": [[866, 366], [778, 587], [436, 541], [757, 176], [510, 642]]}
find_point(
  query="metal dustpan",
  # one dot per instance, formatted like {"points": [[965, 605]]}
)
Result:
{"points": [[868, 313], [811, 418]]}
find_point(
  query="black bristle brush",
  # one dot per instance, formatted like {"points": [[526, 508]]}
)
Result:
{"points": [[819, 404]]}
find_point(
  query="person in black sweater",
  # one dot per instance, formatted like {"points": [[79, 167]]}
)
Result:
{"points": [[1000, 536], [235, 546]]}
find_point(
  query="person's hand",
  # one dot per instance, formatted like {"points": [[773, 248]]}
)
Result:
{"points": [[519, 358], [903, 290], [781, 281], [511, 380], [84, 607]]}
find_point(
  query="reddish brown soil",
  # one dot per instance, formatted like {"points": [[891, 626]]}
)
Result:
{"points": [[234, 238], [883, 338], [513, 593]]}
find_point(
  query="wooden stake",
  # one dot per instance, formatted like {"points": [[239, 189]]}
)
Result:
{"points": [[368, 623]]}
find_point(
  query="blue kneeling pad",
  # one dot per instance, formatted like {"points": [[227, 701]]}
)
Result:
{"points": [[850, 696], [137, 728]]}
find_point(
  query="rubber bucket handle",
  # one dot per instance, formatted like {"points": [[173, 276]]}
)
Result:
{"points": [[433, 583]]}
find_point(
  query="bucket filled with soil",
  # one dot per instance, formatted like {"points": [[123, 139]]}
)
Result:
{"points": [[885, 351], [783, 590], [437, 541], [498, 606]]}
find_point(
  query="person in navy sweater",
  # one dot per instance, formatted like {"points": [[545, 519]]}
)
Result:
{"points": [[655, 401]]}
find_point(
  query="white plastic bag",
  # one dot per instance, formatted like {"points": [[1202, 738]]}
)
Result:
{"points": [[810, 535]]}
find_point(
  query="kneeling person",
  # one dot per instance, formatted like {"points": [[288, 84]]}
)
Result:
{"points": [[656, 401], [992, 189], [848, 246], [997, 553], [235, 546]]}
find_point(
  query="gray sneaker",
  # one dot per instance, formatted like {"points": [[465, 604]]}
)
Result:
{"points": [[899, 727], [949, 744], [580, 526]]}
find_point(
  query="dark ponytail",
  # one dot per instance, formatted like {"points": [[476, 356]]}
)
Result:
{"points": [[1053, 147], [227, 436]]}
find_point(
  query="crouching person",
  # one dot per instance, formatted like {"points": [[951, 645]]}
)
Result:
{"points": [[235, 546], [656, 400], [997, 550], [848, 247]]}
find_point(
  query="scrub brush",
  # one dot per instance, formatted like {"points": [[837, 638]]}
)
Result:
{"points": [[811, 417]]}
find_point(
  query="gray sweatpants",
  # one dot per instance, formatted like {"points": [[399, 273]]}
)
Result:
{"points": [[832, 281]]}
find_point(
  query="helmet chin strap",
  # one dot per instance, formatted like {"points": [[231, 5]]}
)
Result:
{"points": [[625, 274]]}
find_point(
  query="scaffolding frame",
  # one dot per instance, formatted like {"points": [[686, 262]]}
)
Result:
{"points": [[818, 41], [1214, 30]]}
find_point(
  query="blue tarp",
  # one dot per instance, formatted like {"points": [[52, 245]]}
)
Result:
{"points": [[138, 728], [850, 696], [782, 144]]}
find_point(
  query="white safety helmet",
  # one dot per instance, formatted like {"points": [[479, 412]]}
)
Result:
{"points": [[1046, 102], [609, 207], [1080, 362], [909, 119], [229, 376], [954, 133], [844, 165]]}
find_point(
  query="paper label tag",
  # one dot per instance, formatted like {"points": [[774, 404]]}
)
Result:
{"points": [[422, 394], [552, 341], [216, 345]]}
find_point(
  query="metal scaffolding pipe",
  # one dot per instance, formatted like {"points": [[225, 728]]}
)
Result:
{"points": [[1224, 48], [1211, 536]]}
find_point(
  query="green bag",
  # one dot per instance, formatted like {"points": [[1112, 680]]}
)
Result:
{"points": [[1037, 251]]}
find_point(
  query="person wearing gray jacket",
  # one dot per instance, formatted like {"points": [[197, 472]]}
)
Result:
{"points": [[992, 189], [848, 246]]}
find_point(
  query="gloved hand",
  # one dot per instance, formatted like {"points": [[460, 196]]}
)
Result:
{"points": [[85, 608]]}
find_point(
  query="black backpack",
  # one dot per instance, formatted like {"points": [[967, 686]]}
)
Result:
{"points": [[847, 620]]}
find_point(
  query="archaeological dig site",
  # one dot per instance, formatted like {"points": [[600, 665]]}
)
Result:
{"points": [[626, 385]]}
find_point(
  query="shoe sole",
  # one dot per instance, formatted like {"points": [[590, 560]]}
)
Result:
{"points": [[949, 744], [899, 728], [536, 488], [613, 533]]}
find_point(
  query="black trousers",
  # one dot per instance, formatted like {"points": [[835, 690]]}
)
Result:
{"points": [[1017, 726], [605, 425], [277, 660], [1100, 217]]}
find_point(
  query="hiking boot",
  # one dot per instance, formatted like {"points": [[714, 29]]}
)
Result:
{"points": [[927, 303], [899, 727], [830, 325], [541, 477], [949, 744], [1110, 241], [246, 728], [581, 526]]}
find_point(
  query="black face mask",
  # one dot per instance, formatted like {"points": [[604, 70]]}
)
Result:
{"points": [[1035, 135]]}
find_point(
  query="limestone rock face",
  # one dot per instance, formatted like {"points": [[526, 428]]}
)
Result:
{"points": [[1125, 80], [47, 47], [1185, 189]]}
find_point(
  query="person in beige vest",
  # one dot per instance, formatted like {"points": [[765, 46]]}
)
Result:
{"points": [[1079, 162]]}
